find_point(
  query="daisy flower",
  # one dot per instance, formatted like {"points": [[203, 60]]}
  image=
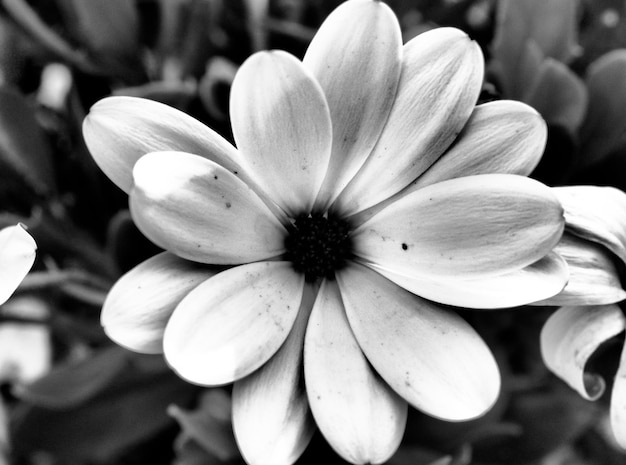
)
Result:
{"points": [[17, 255], [309, 264]]}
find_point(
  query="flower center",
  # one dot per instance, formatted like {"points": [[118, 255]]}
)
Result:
{"points": [[318, 246]]}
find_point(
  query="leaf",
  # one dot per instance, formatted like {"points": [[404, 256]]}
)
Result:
{"points": [[131, 409], [24, 149]]}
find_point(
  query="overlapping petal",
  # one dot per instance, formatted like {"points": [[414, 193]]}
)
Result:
{"points": [[272, 421], [120, 130], [369, 54], [17, 255], [202, 212], [593, 277], [429, 355], [540, 280], [442, 73], [281, 124], [361, 418], [503, 136], [606, 225], [139, 305], [231, 324], [571, 335], [484, 225]]}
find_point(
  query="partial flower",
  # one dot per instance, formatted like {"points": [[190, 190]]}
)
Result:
{"points": [[309, 265], [17, 255]]}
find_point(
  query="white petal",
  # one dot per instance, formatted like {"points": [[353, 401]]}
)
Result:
{"points": [[484, 225], [441, 78], [618, 402], [141, 302], [233, 323], [504, 136], [593, 277], [271, 417], [597, 214], [202, 212], [360, 43], [539, 280], [281, 124], [17, 255], [429, 355], [571, 335], [120, 130], [361, 418]]}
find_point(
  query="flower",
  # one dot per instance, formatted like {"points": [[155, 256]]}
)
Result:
{"points": [[367, 189], [17, 255]]}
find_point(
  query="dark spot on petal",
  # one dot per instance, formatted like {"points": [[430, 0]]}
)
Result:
{"points": [[404, 246]]}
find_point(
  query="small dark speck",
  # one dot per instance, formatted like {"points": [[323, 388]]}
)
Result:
{"points": [[404, 246], [228, 205], [215, 177], [236, 172]]}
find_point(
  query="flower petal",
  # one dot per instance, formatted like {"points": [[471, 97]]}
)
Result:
{"points": [[484, 225], [441, 78], [119, 130], [593, 277], [17, 255], [605, 225], [231, 324], [427, 354], [361, 418], [141, 302], [202, 212], [282, 127], [359, 42], [539, 280], [571, 335], [618, 402], [271, 416], [504, 136]]}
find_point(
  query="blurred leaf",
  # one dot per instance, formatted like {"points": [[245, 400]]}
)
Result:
{"points": [[107, 28], [209, 425], [559, 95], [24, 149], [604, 128], [70, 385], [130, 410], [548, 419]]}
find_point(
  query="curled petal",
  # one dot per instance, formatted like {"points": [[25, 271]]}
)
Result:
{"points": [[17, 255], [361, 418], [605, 225], [141, 302], [231, 324], [120, 130], [593, 277], [359, 42], [429, 355], [271, 417], [539, 280], [441, 78], [571, 335], [618, 402], [202, 212], [484, 225], [282, 127], [504, 136]]}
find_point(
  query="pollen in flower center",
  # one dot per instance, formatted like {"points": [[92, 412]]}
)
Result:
{"points": [[318, 246]]}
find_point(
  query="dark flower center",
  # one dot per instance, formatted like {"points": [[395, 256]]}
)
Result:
{"points": [[318, 246]]}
